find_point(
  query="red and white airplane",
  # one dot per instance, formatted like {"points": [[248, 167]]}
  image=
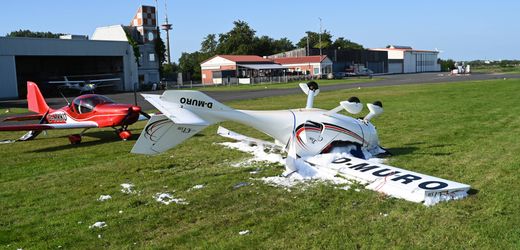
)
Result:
{"points": [[85, 111]]}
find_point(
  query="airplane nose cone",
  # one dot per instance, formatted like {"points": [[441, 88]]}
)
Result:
{"points": [[136, 109]]}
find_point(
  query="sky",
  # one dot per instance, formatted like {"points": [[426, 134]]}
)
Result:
{"points": [[461, 30]]}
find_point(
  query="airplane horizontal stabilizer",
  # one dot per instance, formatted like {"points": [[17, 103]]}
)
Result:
{"points": [[39, 127], [161, 134], [23, 118]]}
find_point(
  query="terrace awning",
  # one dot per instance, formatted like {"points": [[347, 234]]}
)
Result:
{"points": [[262, 66]]}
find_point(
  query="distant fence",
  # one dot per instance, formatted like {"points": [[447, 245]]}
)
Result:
{"points": [[235, 81]]}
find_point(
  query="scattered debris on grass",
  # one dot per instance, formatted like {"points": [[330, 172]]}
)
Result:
{"points": [[241, 184], [128, 188], [99, 224], [104, 198], [259, 152], [199, 186], [256, 171], [166, 198], [343, 188], [309, 169], [244, 232]]}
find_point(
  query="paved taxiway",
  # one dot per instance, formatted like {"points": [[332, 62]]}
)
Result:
{"points": [[223, 96]]}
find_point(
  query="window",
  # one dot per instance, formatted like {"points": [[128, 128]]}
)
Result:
{"points": [[86, 104], [151, 57]]}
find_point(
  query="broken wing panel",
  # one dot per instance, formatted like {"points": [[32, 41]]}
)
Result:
{"points": [[397, 182]]}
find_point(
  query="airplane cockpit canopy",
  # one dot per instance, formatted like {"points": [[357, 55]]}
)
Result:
{"points": [[87, 103]]}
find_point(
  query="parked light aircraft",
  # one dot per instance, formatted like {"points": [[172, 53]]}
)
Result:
{"points": [[84, 86], [85, 111], [301, 133]]}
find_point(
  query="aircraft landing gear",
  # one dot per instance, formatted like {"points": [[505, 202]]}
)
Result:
{"points": [[124, 135], [75, 139]]}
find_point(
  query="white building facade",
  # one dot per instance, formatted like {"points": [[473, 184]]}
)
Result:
{"points": [[404, 59]]}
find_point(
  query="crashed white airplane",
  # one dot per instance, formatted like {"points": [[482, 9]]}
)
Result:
{"points": [[301, 132]]}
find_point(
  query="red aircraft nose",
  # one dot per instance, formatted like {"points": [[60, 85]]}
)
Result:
{"points": [[136, 109]]}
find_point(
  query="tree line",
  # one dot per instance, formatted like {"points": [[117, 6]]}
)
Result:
{"points": [[242, 40]]}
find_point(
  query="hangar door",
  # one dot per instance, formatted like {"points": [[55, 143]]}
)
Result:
{"points": [[42, 69], [395, 66]]}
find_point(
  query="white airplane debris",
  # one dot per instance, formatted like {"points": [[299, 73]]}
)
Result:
{"points": [[99, 224], [166, 198], [104, 198]]}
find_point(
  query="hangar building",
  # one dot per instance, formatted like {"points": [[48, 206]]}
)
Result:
{"points": [[405, 59], [40, 59], [107, 54], [343, 59]]}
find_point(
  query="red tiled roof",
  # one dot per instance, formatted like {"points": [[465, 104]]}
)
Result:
{"points": [[242, 59], [245, 58], [297, 60]]}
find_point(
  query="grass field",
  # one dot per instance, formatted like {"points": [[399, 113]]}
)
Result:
{"points": [[496, 69], [13, 111], [466, 132]]}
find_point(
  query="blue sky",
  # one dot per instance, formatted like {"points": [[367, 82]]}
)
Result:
{"points": [[462, 30]]}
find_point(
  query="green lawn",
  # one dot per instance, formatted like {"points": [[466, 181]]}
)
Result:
{"points": [[466, 132], [496, 69], [13, 111], [287, 85]]}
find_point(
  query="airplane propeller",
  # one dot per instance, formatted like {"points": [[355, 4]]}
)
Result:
{"points": [[135, 104]]}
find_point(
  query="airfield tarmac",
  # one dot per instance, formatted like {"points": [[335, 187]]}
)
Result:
{"points": [[224, 96]]}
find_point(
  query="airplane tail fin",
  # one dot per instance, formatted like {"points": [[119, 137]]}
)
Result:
{"points": [[184, 113], [35, 99]]}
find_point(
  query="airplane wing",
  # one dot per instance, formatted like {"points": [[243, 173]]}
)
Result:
{"points": [[39, 127], [105, 80], [397, 182], [63, 82], [23, 118]]}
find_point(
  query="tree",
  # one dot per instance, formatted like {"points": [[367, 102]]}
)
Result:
{"points": [[189, 63], [282, 45], [34, 34], [135, 47], [446, 65], [209, 44], [343, 43], [160, 50], [314, 40], [238, 41], [263, 46], [169, 70]]}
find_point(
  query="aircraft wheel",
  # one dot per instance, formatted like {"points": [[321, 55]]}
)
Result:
{"points": [[75, 139], [125, 135]]}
